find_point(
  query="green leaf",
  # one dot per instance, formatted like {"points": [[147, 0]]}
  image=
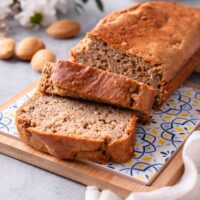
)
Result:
{"points": [[100, 5]]}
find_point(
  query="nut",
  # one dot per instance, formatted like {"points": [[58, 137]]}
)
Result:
{"points": [[40, 57], [63, 29], [7, 47], [28, 47]]}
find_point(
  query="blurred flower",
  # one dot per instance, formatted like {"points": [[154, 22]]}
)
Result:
{"points": [[5, 8], [36, 13], [61, 5]]}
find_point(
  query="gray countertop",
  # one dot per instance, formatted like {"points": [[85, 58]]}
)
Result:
{"points": [[22, 181]]}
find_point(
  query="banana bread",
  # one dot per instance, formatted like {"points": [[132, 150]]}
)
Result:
{"points": [[151, 42], [68, 129], [94, 84]]}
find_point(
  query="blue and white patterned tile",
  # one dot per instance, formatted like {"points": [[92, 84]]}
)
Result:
{"points": [[155, 143], [7, 116]]}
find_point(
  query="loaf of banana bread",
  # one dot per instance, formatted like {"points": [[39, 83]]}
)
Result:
{"points": [[66, 78], [157, 43]]}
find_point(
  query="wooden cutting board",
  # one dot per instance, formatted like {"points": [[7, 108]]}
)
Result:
{"points": [[84, 172]]}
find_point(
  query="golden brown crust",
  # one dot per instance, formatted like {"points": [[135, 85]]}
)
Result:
{"points": [[164, 34], [99, 85], [188, 68], [100, 150]]}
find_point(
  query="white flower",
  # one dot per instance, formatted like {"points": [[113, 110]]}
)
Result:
{"points": [[5, 8], [36, 12], [61, 5]]}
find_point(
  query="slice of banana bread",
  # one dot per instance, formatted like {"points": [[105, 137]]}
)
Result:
{"points": [[66, 78], [150, 42], [69, 129]]}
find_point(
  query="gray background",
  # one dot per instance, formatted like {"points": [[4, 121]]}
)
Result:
{"points": [[20, 181]]}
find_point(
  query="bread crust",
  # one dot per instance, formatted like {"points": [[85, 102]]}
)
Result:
{"points": [[95, 84], [165, 34], [100, 150], [186, 71]]}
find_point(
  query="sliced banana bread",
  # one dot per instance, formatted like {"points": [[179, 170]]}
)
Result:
{"points": [[68, 129], [151, 42], [66, 78]]}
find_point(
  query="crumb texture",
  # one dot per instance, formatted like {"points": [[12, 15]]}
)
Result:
{"points": [[69, 79], [155, 31], [148, 42], [99, 54], [70, 117]]}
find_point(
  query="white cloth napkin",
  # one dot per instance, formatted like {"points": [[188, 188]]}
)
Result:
{"points": [[187, 189]]}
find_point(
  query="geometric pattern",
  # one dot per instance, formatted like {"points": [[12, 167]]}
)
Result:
{"points": [[155, 143]]}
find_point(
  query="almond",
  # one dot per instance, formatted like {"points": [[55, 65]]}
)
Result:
{"points": [[7, 47], [40, 57], [28, 47], [63, 29]]}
